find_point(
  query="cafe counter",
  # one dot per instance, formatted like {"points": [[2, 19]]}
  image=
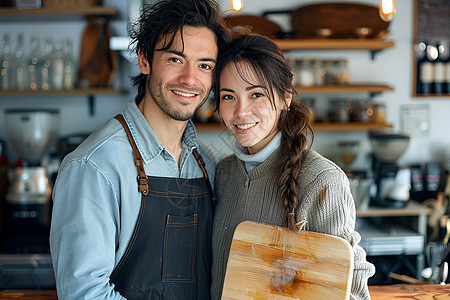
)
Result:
{"points": [[380, 292]]}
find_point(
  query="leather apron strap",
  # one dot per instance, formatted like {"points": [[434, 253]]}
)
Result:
{"points": [[142, 178]]}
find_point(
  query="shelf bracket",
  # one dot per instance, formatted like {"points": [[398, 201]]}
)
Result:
{"points": [[373, 53], [91, 104], [372, 95]]}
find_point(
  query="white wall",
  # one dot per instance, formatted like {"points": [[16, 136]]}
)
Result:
{"points": [[392, 66]]}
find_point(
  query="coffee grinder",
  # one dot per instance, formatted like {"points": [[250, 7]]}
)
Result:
{"points": [[32, 133], [387, 149]]}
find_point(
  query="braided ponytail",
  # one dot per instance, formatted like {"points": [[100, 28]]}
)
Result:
{"points": [[294, 126]]}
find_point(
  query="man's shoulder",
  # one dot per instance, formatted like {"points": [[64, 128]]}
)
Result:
{"points": [[105, 141]]}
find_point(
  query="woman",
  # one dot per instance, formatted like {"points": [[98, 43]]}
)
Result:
{"points": [[274, 176]]}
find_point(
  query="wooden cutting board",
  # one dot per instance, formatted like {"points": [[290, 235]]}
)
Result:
{"points": [[271, 262]]}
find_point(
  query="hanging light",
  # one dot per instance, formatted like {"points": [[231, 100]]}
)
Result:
{"points": [[236, 5], [387, 10]]}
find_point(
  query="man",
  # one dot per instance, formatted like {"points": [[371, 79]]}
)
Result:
{"points": [[133, 205]]}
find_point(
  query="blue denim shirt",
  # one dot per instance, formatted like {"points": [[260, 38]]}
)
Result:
{"points": [[96, 201]]}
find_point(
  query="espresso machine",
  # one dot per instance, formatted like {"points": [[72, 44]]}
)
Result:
{"points": [[387, 149], [31, 133]]}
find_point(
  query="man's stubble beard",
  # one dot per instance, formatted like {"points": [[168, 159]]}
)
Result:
{"points": [[156, 91]]}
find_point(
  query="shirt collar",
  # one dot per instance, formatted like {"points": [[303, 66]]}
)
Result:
{"points": [[146, 141]]}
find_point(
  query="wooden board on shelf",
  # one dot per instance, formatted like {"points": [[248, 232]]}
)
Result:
{"points": [[58, 10], [348, 88], [334, 44], [413, 208], [351, 126], [91, 91]]}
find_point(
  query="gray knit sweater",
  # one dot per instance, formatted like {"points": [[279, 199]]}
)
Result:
{"points": [[254, 197]]}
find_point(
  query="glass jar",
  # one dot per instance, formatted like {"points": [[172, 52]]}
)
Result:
{"points": [[305, 72], [379, 113], [319, 73], [342, 74], [311, 104], [338, 111], [330, 72], [359, 113], [293, 62]]}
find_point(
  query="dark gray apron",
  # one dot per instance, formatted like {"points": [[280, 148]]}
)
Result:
{"points": [[169, 253]]}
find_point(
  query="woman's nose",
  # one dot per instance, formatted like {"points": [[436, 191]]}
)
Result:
{"points": [[242, 109]]}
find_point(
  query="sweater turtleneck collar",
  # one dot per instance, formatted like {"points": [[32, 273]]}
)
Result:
{"points": [[252, 161]]}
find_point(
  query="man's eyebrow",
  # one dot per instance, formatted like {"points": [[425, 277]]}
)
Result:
{"points": [[184, 56]]}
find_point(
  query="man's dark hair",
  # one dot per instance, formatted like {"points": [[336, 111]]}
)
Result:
{"points": [[165, 19]]}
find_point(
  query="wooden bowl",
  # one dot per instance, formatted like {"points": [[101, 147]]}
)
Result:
{"points": [[255, 24], [338, 20]]}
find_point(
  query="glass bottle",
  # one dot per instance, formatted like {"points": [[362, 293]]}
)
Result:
{"points": [[58, 66], [20, 74], [426, 71], [439, 71], [69, 67], [34, 65], [6, 63], [46, 70]]}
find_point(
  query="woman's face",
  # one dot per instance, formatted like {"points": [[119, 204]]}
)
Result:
{"points": [[246, 108]]}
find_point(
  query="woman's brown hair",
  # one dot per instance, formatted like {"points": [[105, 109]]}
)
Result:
{"points": [[267, 61]]}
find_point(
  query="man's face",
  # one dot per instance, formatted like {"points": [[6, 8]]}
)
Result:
{"points": [[181, 77]]}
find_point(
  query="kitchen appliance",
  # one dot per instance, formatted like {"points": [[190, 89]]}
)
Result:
{"points": [[387, 149], [31, 132], [348, 151]]}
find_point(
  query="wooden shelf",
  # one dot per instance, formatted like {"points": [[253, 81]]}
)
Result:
{"points": [[334, 44], [348, 126], [210, 126], [14, 14], [351, 88], [91, 91], [413, 208], [315, 126]]}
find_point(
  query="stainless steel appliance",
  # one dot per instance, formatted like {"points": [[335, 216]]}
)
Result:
{"points": [[25, 261], [31, 133], [387, 149]]}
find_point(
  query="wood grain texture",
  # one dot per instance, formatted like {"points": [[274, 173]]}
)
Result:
{"points": [[271, 262], [410, 291], [33, 295]]}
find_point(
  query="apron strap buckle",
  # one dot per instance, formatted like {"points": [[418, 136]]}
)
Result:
{"points": [[143, 185]]}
